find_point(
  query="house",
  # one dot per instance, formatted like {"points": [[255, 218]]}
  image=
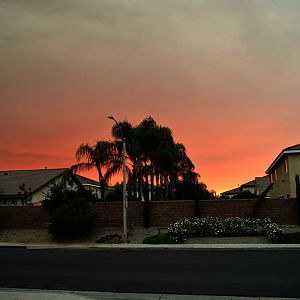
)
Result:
{"points": [[282, 173], [93, 186], [90, 184], [230, 193], [20, 187], [256, 187]]}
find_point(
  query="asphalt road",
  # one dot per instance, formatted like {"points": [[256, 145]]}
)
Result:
{"points": [[215, 272]]}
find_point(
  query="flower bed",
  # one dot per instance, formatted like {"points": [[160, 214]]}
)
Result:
{"points": [[215, 227]]}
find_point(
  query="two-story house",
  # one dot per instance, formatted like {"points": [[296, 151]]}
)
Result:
{"points": [[282, 173]]}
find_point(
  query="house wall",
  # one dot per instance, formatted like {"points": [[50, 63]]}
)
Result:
{"points": [[162, 213], [39, 195], [249, 189], [281, 187], [294, 168]]}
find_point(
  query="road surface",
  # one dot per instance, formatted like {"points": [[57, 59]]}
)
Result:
{"points": [[202, 272]]}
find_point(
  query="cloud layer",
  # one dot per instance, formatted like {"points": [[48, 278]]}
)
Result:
{"points": [[222, 74]]}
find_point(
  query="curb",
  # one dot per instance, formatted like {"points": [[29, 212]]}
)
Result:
{"points": [[13, 246], [90, 295], [136, 247]]}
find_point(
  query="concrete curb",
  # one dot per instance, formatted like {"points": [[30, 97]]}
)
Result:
{"points": [[155, 247], [24, 294]]}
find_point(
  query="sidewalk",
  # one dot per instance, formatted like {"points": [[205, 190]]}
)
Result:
{"points": [[27, 294]]}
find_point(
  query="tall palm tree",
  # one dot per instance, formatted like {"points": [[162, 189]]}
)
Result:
{"points": [[103, 157], [152, 152], [133, 151], [162, 157]]}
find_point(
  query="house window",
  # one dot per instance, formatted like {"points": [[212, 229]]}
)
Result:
{"points": [[271, 178], [286, 167], [275, 175]]}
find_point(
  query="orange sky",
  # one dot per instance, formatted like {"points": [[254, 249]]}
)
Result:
{"points": [[223, 75]]}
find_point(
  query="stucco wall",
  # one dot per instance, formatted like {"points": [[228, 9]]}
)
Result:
{"points": [[281, 187], [294, 163]]}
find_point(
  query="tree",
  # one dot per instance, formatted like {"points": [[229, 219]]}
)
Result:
{"points": [[103, 157], [25, 194], [156, 165], [133, 151]]}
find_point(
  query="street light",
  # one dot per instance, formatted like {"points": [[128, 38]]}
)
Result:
{"points": [[125, 203]]}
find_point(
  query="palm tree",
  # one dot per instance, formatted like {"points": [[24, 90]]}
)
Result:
{"points": [[163, 156], [152, 152], [103, 157]]}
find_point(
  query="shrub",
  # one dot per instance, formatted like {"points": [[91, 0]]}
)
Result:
{"points": [[181, 230], [59, 194], [162, 238], [73, 218], [207, 226], [212, 226], [272, 230]]}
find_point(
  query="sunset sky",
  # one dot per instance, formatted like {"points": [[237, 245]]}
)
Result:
{"points": [[223, 75]]}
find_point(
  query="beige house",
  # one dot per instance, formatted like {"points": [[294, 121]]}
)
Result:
{"points": [[282, 173]]}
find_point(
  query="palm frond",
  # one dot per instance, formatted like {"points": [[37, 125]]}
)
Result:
{"points": [[82, 167], [85, 151]]}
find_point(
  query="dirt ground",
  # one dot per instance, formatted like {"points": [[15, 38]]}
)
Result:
{"points": [[137, 235], [42, 236]]}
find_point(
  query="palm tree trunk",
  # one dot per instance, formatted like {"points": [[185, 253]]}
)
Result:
{"points": [[140, 185], [101, 183], [157, 186], [167, 188], [171, 187], [152, 183]]}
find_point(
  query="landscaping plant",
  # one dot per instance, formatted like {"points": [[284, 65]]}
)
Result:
{"points": [[71, 214], [212, 226], [72, 219]]}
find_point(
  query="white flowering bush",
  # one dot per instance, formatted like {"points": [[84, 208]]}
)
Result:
{"points": [[181, 230], [272, 230], [213, 226], [207, 226]]}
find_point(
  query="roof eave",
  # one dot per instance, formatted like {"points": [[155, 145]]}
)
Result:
{"points": [[284, 152]]}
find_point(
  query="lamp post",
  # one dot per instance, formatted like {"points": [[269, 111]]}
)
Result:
{"points": [[125, 202]]}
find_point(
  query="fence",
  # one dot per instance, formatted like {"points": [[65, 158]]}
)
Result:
{"points": [[162, 213]]}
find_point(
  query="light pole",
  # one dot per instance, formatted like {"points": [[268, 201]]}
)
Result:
{"points": [[125, 202]]}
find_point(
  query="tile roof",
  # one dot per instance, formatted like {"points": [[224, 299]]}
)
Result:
{"points": [[10, 181], [295, 147], [248, 184], [262, 183]]}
